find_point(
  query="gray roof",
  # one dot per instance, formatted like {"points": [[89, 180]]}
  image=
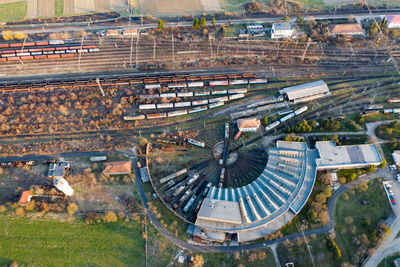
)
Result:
{"points": [[305, 90], [282, 26], [220, 211]]}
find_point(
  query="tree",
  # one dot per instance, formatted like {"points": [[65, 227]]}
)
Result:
{"points": [[383, 164], [300, 20], [20, 211], [110, 217], [327, 191], [213, 22], [72, 209], [7, 35], [196, 23], [323, 217], [286, 19], [160, 24], [265, 120], [371, 168], [203, 22], [198, 261]]}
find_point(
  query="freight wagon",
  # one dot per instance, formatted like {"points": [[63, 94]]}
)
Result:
{"points": [[182, 104], [166, 105], [198, 109], [199, 102], [185, 94], [156, 115], [168, 95], [195, 84], [218, 99], [202, 93], [257, 81], [152, 86], [177, 113], [132, 118], [237, 91], [236, 96], [147, 106], [238, 82], [177, 85], [219, 83]]}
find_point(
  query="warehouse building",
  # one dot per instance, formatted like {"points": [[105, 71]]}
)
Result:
{"points": [[345, 29], [248, 124], [346, 157], [305, 92], [282, 30], [393, 21]]}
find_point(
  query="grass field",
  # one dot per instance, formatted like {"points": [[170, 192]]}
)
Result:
{"points": [[13, 11], [353, 219], [252, 258], [59, 8], [388, 261], [54, 243]]}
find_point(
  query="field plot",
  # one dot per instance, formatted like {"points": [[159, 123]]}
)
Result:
{"points": [[85, 6], [177, 6], [12, 10]]}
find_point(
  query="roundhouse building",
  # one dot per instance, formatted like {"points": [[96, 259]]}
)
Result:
{"points": [[305, 92], [271, 200]]}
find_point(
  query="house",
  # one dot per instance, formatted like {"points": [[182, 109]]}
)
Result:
{"points": [[25, 198], [61, 184], [396, 157], [248, 124], [117, 168], [113, 33], [144, 173], [282, 30], [393, 21], [56, 173], [345, 29], [131, 32]]}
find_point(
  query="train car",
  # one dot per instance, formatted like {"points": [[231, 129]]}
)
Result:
{"points": [[219, 83], [4, 45], [152, 86], [284, 112], [156, 116], [237, 91], [53, 56], [219, 92], [67, 55], [92, 50], [257, 81], [182, 104], [42, 43], [177, 85], [218, 99], [134, 118], [27, 58], [287, 117], [13, 58], [23, 54], [373, 107], [168, 95], [166, 105], [300, 110], [173, 175], [202, 93], [216, 104], [16, 45], [195, 84], [197, 109], [195, 142], [147, 106], [199, 102], [40, 57], [238, 82], [177, 113], [235, 96], [226, 130], [184, 94], [153, 96], [48, 52], [396, 110], [370, 113], [272, 126], [189, 204], [393, 100], [8, 55], [56, 42]]}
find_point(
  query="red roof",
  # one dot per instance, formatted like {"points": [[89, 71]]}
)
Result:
{"points": [[117, 167], [393, 19], [25, 197]]}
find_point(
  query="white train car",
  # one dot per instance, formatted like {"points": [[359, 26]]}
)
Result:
{"points": [[168, 95], [237, 91], [147, 106], [200, 102], [134, 118], [197, 109], [56, 42], [300, 110], [284, 112], [153, 96], [177, 85], [184, 94], [219, 83], [272, 126], [236, 96], [189, 204], [166, 105], [182, 104], [216, 104], [152, 86], [156, 116], [238, 82], [257, 81], [218, 99], [172, 176], [195, 142], [195, 84], [203, 93], [287, 117], [226, 130], [177, 113], [219, 92]]}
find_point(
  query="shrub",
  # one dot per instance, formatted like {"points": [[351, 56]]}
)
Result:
{"points": [[72, 209], [20, 211], [110, 217]]}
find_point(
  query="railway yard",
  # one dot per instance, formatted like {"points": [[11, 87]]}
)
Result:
{"points": [[208, 121]]}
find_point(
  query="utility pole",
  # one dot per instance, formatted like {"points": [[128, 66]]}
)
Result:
{"points": [[211, 52], [130, 54], [80, 52], [173, 48], [305, 51], [136, 53], [100, 87], [154, 49]]}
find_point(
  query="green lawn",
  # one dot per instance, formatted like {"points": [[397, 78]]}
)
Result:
{"points": [[55, 243], [252, 258], [388, 261], [59, 8], [352, 219], [13, 11]]}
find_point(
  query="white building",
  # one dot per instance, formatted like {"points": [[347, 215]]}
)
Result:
{"points": [[248, 124], [61, 184], [305, 92], [396, 157], [393, 21], [56, 172], [282, 30]]}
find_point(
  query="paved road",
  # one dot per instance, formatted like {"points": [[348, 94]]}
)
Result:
{"points": [[381, 254]]}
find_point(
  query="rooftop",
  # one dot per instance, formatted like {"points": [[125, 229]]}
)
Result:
{"points": [[57, 169], [282, 26], [305, 90], [338, 156], [25, 198], [248, 123], [117, 167], [393, 18], [220, 211], [345, 28]]}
